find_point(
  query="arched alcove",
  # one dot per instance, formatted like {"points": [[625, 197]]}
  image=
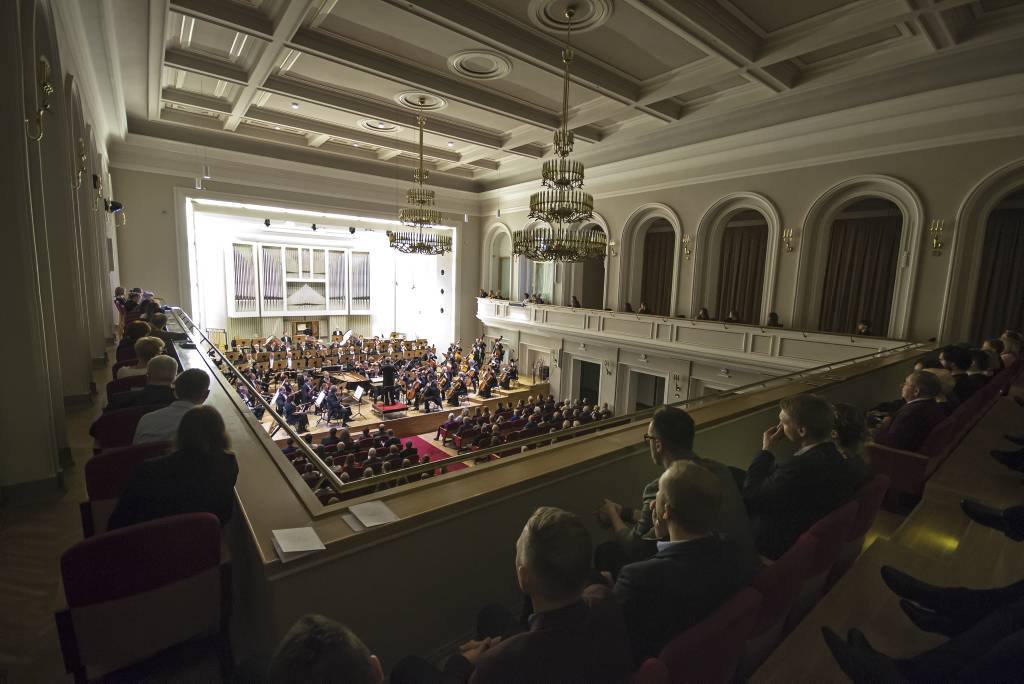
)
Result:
{"points": [[966, 247], [739, 210], [588, 280], [658, 217], [498, 272], [998, 304], [815, 241]]}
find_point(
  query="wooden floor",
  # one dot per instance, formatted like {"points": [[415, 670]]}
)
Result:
{"points": [[32, 538]]}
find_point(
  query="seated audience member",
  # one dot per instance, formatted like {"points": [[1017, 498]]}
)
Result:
{"points": [[331, 438], [574, 635], [669, 438], [995, 347], [628, 308], [642, 309], [575, 303], [863, 327], [191, 388], [784, 500], [732, 317], [908, 428], [158, 323], [703, 315], [984, 629], [1011, 347], [318, 649], [198, 477], [692, 574], [145, 349], [160, 372], [133, 332], [957, 361], [773, 320], [980, 369], [850, 432], [947, 388]]}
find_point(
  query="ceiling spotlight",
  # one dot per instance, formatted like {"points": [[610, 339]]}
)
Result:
{"points": [[451, 144], [352, 230], [266, 222], [295, 105], [314, 227]]}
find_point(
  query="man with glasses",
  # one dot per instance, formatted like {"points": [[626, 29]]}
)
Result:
{"points": [[669, 439], [908, 428]]}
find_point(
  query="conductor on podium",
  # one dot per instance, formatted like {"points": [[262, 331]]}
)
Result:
{"points": [[387, 372]]}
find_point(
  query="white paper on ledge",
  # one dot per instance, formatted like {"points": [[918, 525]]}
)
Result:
{"points": [[373, 513], [296, 542]]}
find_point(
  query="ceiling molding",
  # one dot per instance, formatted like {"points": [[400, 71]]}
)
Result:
{"points": [[206, 66], [231, 15]]}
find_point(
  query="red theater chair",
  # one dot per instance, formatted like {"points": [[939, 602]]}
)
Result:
{"points": [[125, 384], [106, 475], [140, 598], [117, 428]]}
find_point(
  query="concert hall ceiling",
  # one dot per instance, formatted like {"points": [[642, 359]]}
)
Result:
{"points": [[344, 77]]}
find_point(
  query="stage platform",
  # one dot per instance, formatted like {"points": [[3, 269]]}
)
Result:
{"points": [[415, 422]]}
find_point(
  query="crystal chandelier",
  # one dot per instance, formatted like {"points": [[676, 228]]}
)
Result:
{"points": [[563, 203], [421, 213]]}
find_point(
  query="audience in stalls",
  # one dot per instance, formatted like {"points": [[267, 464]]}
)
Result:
{"points": [[785, 499], [669, 438], [575, 633], [146, 348], [957, 360], [984, 629], [693, 572], [198, 476], [160, 372], [191, 388], [318, 649], [909, 427]]}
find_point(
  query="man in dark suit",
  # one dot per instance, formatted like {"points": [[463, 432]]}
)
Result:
{"points": [[574, 635], [909, 427], [693, 573], [160, 372], [669, 437], [286, 339], [785, 499], [957, 361], [387, 372]]}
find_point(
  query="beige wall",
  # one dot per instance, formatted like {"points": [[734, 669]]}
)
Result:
{"points": [[942, 177]]}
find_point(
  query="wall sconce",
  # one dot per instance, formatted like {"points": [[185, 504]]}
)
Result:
{"points": [[43, 72], [611, 249], [643, 358], [686, 246], [724, 372], [788, 238], [607, 367], [583, 347], [83, 161], [935, 230]]}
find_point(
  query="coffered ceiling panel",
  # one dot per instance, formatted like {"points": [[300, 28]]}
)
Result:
{"points": [[773, 15], [646, 72]]}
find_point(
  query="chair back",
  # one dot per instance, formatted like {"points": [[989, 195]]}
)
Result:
{"points": [[117, 428], [781, 581], [139, 590], [125, 384], [124, 355], [710, 651], [831, 533], [106, 475], [870, 498]]}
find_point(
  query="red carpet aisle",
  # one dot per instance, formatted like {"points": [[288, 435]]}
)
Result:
{"points": [[425, 447]]}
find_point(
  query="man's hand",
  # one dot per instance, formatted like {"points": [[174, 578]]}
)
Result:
{"points": [[471, 650], [611, 511], [771, 436]]}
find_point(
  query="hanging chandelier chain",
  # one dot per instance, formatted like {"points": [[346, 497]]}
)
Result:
{"points": [[421, 212]]}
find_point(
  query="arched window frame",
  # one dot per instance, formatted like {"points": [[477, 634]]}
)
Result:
{"points": [[816, 234], [630, 272], [966, 247], [575, 271], [708, 250], [487, 272]]}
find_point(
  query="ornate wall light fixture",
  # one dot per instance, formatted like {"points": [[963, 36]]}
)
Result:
{"points": [[788, 239], [687, 251], [43, 72], [935, 230]]}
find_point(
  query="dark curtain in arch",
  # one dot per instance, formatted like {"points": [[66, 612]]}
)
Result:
{"points": [[999, 302], [656, 282], [741, 273], [860, 274]]}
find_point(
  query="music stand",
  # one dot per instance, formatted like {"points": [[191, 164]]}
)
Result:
{"points": [[358, 396]]}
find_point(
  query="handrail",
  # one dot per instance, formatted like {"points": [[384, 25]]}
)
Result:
{"points": [[325, 470], [534, 440]]}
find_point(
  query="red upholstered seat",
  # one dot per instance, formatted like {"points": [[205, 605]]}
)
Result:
{"points": [[106, 475], [869, 499], [140, 590], [117, 428], [832, 532], [710, 651], [125, 384]]}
